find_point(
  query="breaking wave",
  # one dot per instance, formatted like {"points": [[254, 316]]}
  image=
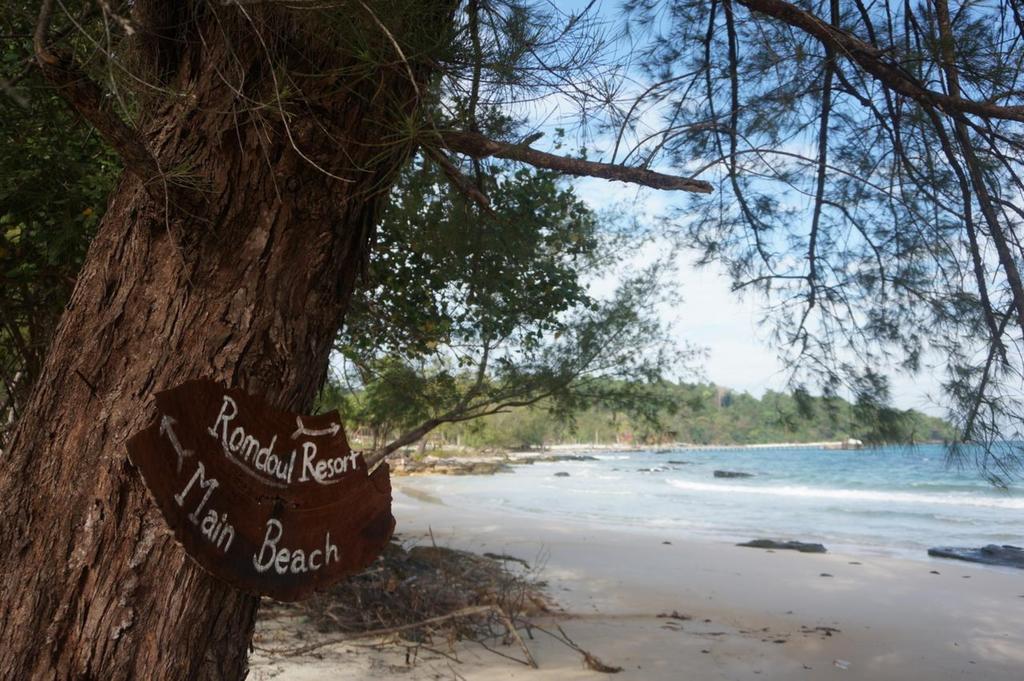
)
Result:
{"points": [[831, 494]]}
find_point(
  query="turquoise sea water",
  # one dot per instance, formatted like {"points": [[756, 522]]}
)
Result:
{"points": [[896, 501]]}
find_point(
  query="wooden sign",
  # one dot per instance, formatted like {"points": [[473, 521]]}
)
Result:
{"points": [[272, 502]]}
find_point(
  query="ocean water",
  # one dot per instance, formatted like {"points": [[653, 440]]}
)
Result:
{"points": [[890, 501]]}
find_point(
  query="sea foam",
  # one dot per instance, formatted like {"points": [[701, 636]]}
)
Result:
{"points": [[1006, 502]]}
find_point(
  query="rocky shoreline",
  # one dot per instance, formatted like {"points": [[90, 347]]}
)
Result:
{"points": [[476, 465]]}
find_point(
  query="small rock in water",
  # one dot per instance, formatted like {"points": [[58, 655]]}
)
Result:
{"points": [[993, 554], [824, 574], [561, 474], [571, 457], [802, 547], [733, 474], [679, 463]]}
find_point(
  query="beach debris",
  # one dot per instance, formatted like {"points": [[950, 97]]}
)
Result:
{"points": [[590, 661], [507, 558], [732, 474], [802, 547], [842, 664], [420, 596], [993, 554], [561, 474], [374, 633], [826, 632], [674, 615]]}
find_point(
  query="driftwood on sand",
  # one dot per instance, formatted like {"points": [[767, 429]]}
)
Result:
{"points": [[417, 597]]}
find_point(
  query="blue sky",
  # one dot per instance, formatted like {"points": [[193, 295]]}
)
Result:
{"points": [[725, 324], [711, 315]]}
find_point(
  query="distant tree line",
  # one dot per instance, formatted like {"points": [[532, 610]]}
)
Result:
{"points": [[693, 413]]}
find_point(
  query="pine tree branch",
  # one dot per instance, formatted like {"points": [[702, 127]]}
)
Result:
{"points": [[89, 100], [479, 146], [872, 60], [459, 179]]}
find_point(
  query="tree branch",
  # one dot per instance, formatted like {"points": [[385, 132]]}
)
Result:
{"points": [[872, 60], [478, 146], [819, 192], [454, 416], [974, 171], [459, 179], [88, 99], [406, 438]]}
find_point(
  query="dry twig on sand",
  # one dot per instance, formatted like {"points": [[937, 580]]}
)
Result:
{"points": [[425, 594], [590, 661], [422, 595]]}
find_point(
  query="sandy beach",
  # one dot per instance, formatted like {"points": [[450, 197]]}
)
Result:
{"points": [[749, 613]]}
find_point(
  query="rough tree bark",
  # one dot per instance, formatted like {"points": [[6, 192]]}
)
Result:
{"points": [[243, 275]]}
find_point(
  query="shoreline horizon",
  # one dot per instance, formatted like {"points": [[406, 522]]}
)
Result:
{"points": [[874, 502], [407, 485]]}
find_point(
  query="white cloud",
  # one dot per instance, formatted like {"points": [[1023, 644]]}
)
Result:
{"points": [[714, 317]]}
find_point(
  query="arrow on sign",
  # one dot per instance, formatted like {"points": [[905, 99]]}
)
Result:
{"points": [[303, 430], [167, 428]]}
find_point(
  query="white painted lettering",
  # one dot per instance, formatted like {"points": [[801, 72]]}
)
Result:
{"points": [[262, 561], [237, 438], [330, 548], [308, 453], [298, 562], [208, 485], [226, 536], [284, 560], [223, 418]]}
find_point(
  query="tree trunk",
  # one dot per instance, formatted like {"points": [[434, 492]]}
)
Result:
{"points": [[243, 275]]}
